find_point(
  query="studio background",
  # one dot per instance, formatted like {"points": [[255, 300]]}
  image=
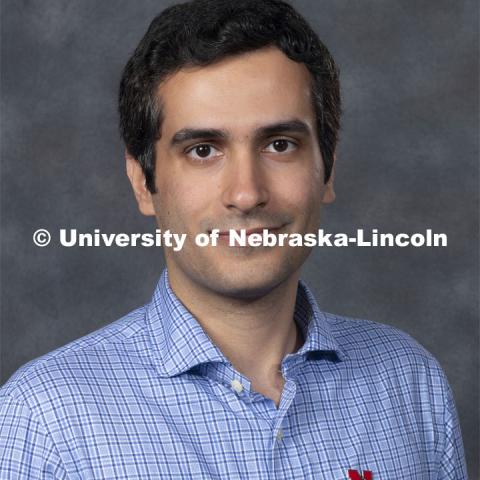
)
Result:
{"points": [[407, 161]]}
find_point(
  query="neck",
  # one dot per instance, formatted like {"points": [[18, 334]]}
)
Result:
{"points": [[254, 334]]}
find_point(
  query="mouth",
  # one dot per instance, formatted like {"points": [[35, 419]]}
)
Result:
{"points": [[250, 231]]}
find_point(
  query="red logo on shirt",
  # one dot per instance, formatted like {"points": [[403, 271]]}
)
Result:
{"points": [[355, 475]]}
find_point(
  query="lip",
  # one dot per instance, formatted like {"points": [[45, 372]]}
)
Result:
{"points": [[251, 230]]}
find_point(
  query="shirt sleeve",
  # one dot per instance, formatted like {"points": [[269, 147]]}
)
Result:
{"points": [[452, 461], [26, 449]]}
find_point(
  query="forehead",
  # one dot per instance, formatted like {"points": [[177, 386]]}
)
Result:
{"points": [[238, 93]]}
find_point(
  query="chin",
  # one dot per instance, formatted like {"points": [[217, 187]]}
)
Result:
{"points": [[249, 279], [245, 274], [251, 288]]}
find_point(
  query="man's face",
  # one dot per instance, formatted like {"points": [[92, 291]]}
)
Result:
{"points": [[238, 149]]}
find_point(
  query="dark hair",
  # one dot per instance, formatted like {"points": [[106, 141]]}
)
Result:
{"points": [[201, 32]]}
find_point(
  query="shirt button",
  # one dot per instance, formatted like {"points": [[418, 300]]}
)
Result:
{"points": [[237, 386], [280, 434]]}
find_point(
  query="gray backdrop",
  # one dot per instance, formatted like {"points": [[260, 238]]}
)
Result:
{"points": [[407, 161]]}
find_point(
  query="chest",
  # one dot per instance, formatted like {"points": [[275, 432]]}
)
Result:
{"points": [[212, 432]]}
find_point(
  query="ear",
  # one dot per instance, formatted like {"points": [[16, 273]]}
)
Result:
{"points": [[329, 192], [137, 179]]}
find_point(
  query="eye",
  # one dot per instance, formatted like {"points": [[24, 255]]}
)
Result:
{"points": [[202, 152], [281, 145]]}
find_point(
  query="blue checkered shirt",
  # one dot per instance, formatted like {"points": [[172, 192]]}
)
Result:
{"points": [[151, 397]]}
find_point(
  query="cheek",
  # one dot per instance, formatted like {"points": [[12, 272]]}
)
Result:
{"points": [[180, 204], [301, 188]]}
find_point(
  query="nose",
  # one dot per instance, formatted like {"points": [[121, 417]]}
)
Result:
{"points": [[245, 185]]}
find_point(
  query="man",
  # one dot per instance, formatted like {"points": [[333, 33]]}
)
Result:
{"points": [[230, 115]]}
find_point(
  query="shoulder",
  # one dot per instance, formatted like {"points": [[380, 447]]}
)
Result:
{"points": [[63, 370], [384, 350], [365, 338]]}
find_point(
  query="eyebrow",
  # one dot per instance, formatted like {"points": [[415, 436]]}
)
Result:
{"points": [[289, 126]]}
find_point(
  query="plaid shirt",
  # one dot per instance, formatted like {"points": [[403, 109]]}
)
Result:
{"points": [[150, 396]]}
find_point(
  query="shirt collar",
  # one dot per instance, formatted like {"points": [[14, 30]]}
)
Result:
{"points": [[180, 343], [314, 325]]}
